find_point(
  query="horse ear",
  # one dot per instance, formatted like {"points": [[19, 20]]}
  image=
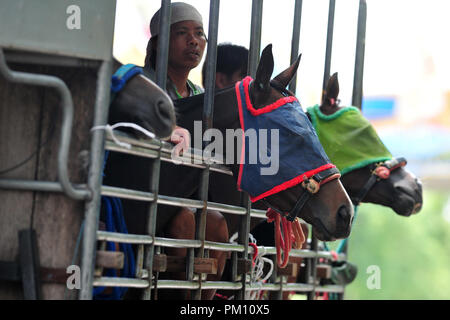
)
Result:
{"points": [[332, 90], [265, 69], [286, 76]]}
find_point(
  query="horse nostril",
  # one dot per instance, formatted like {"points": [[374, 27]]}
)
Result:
{"points": [[343, 212]]}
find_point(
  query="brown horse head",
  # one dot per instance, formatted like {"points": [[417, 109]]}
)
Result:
{"points": [[402, 191], [329, 210], [142, 102]]}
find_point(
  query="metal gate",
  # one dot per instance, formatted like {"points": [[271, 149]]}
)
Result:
{"points": [[157, 151]]}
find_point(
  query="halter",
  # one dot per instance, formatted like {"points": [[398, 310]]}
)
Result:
{"points": [[380, 171], [310, 186], [120, 78]]}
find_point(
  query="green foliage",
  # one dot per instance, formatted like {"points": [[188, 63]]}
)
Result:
{"points": [[413, 253]]}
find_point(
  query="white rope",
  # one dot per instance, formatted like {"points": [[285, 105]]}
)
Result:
{"points": [[110, 129], [257, 277]]}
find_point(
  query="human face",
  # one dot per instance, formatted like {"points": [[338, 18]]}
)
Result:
{"points": [[187, 44]]}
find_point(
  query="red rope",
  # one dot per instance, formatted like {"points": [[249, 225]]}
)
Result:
{"points": [[291, 234], [255, 251]]}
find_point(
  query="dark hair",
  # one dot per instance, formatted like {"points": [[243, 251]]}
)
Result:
{"points": [[150, 58], [230, 58]]}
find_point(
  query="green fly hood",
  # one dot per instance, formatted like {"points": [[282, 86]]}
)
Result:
{"points": [[348, 138]]}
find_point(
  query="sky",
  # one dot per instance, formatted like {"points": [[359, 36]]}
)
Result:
{"points": [[406, 51]]}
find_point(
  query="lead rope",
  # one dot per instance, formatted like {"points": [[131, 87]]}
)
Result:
{"points": [[289, 236]]}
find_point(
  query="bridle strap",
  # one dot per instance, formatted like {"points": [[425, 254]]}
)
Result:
{"points": [[299, 205], [319, 178], [363, 192], [390, 165]]}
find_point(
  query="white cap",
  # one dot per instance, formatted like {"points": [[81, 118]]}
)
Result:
{"points": [[180, 11]]}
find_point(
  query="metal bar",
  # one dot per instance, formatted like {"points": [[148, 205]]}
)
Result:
{"points": [[92, 211], [220, 285], [210, 75], [162, 58], [151, 223], [162, 53], [120, 282], [329, 46], [255, 37], [210, 245], [208, 114], [147, 150], [67, 119], [313, 262], [34, 185], [359, 56], [295, 39], [168, 200], [243, 239]]}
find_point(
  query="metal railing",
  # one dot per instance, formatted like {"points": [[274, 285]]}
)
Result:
{"points": [[158, 151]]}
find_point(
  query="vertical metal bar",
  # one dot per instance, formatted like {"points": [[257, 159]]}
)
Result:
{"points": [[162, 52], [208, 112], [210, 75], [92, 211], [359, 57], [296, 39], [255, 37], [326, 73], [243, 239], [151, 223], [253, 60], [313, 267]]}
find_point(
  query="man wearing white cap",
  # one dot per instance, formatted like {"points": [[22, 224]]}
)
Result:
{"points": [[186, 47]]}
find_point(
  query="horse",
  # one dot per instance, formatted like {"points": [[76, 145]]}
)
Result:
{"points": [[143, 99], [401, 190], [329, 210]]}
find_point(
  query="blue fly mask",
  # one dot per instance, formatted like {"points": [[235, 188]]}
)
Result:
{"points": [[291, 140]]}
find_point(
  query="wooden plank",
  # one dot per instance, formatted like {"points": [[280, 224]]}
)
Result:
{"points": [[323, 271], [178, 264], [110, 259], [291, 270], [244, 266], [160, 263]]}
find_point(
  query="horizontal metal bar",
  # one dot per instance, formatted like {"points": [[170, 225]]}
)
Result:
{"points": [[165, 242], [168, 200], [123, 237], [147, 148], [220, 285], [329, 288], [119, 282], [44, 186], [127, 193], [181, 243]]}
